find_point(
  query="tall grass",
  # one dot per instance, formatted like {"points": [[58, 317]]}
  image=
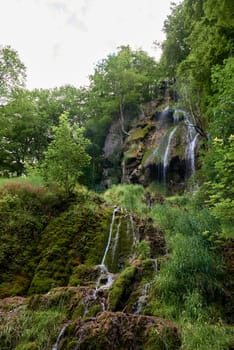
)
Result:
{"points": [[34, 330], [201, 335], [188, 287]]}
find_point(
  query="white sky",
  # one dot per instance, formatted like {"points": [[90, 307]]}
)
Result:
{"points": [[61, 41]]}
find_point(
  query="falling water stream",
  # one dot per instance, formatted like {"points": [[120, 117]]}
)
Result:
{"points": [[143, 298], [60, 336], [190, 155], [192, 136], [116, 239], [167, 154], [104, 272]]}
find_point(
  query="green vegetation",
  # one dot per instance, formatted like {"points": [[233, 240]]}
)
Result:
{"points": [[189, 287], [66, 156], [54, 230], [30, 330], [129, 197]]}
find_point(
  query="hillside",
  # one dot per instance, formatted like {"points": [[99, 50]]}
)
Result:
{"points": [[116, 199]]}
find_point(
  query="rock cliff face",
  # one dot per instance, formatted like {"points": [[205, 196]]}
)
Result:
{"points": [[161, 147]]}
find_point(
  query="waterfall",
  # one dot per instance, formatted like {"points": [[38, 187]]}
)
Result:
{"points": [[116, 240], [105, 275], [192, 136], [110, 234], [60, 336], [167, 154], [191, 154], [178, 115], [142, 300], [134, 236]]}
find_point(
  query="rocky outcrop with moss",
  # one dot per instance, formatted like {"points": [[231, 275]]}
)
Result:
{"points": [[146, 155], [74, 271]]}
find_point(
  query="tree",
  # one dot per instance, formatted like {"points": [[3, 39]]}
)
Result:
{"points": [[12, 72], [122, 80], [198, 38], [219, 187], [221, 107], [66, 156], [119, 85], [67, 98], [24, 133]]}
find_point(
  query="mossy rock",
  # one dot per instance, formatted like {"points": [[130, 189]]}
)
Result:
{"points": [[124, 331], [131, 153], [138, 134], [121, 289], [83, 275], [75, 237]]}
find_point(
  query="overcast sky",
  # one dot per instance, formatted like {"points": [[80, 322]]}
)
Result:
{"points": [[61, 41]]}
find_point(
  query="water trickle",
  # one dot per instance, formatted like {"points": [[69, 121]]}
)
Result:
{"points": [[167, 154], [155, 265], [192, 136], [116, 240], [60, 336], [110, 234], [134, 235], [165, 113], [178, 115], [105, 279], [143, 298]]}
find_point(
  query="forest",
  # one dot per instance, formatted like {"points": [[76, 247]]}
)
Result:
{"points": [[117, 198]]}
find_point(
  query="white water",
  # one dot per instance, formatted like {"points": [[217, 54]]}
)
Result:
{"points": [[178, 115], [191, 154], [60, 336], [165, 113], [192, 136], [142, 300], [167, 154], [105, 275], [110, 234], [134, 236], [116, 239]]}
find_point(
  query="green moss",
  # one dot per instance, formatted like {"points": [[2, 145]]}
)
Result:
{"points": [[82, 275], [132, 152], [30, 330], [17, 286], [138, 134], [151, 156], [121, 289], [75, 237]]}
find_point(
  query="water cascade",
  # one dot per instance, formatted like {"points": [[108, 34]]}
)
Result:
{"points": [[105, 275], [178, 115], [116, 240], [143, 298], [60, 336], [167, 154], [134, 236], [192, 136]]}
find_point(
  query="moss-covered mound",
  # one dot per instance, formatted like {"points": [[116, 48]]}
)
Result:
{"points": [[121, 331]]}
